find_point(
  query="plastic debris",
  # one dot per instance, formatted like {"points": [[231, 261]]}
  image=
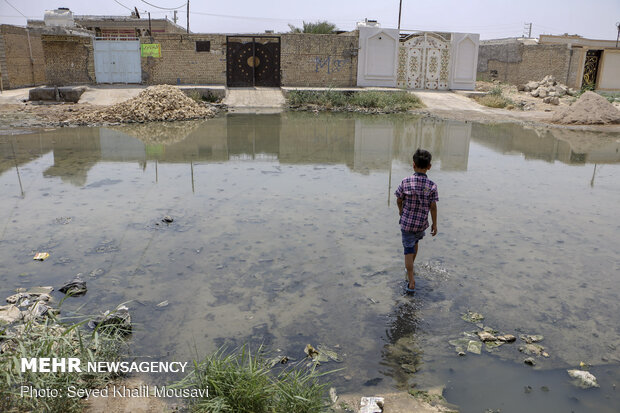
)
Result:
{"points": [[41, 256], [311, 351], [163, 304], [74, 287], [584, 379], [371, 405], [331, 354], [332, 395]]}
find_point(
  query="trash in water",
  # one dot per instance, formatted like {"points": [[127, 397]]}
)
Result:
{"points": [[331, 354], [168, 219], [311, 351], [41, 256], [332, 395], [530, 361], [584, 379], [472, 317], [460, 345], [492, 345], [474, 347], [118, 320], [277, 360], [163, 304], [371, 405], [74, 287]]}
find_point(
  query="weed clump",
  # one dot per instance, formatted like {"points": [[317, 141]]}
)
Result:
{"points": [[351, 101]]}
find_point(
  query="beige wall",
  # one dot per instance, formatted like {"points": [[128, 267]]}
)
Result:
{"points": [[17, 68], [179, 60], [609, 71], [69, 60], [536, 62], [319, 59]]}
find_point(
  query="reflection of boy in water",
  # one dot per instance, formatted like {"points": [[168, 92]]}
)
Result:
{"points": [[417, 195]]}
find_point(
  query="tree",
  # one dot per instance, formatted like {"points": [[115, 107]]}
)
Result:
{"points": [[319, 27]]}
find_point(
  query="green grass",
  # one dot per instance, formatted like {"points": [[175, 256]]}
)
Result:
{"points": [[51, 339], [335, 100], [495, 99], [242, 382]]}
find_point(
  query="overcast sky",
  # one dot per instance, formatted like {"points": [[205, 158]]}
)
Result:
{"points": [[491, 18]]}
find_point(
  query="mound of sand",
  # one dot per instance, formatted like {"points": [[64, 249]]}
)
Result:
{"points": [[590, 109], [155, 103]]}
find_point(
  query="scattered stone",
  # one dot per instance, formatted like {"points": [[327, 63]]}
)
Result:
{"points": [[37, 311], [118, 320], [584, 379], [168, 219], [472, 317], [552, 100], [530, 361], [532, 349], [9, 314], [75, 287], [486, 336], [507, 338], [531, 338], [492, 345]]}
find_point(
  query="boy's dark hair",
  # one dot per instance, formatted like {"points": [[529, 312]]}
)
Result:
{"points": [[422, 158]]}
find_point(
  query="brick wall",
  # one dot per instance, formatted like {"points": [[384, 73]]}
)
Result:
{"points": [[69, 60], [322, 60], [180, 61], [18, 70], [519, 63]]}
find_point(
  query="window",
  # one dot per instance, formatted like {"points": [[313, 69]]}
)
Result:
{"points": [[203, 46]]}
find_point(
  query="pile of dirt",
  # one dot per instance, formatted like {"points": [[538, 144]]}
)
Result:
{"points": [[155, 103], [590, 109]]}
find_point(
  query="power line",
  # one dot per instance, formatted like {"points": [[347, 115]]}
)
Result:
{"points": [[118, 2], [163, 8], [15, 8]]}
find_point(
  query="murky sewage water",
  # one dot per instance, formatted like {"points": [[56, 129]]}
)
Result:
{"points": [[286, 232]]}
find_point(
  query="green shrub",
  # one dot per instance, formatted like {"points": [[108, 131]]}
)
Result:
{"points": [[331, 99]]}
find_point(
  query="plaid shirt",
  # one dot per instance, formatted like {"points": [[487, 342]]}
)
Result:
{"points": [[417, 193]]}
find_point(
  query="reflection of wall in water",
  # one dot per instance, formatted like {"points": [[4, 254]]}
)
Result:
{"points": [[252, 137], [308, 138], [22, 149], [75, 152], [448, 141], [573, 147]]}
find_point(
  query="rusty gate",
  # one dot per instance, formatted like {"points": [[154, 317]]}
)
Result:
{"points": [[252, 61]]}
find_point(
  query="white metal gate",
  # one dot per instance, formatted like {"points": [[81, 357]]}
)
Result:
{"points": [[424, 62], [117, 61]]}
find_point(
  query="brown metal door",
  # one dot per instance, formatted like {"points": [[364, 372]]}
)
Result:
{"points": [[252, 63]]}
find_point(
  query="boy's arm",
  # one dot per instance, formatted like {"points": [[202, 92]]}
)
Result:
{"points": [[399, 202], [434, 218]]}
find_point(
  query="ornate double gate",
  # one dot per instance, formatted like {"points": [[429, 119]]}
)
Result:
{"points": [[252, 61], [424, 62], [590, 68]]}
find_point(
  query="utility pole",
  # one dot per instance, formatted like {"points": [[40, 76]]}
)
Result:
{"points": [[618, 36], [527, 27], [174, 19], [187, 16], [400, 8]]}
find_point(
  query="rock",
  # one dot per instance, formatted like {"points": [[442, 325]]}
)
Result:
{"points": [[16, 298], [549, 80], [531, 338], [9, 314], [572, 92], [371, 405], [75, 287], [507, 338], [532, 349], [472, 317], [522, 88], [561, 90], [168, 219], [486, 336], [534, 93], [555, 100], [118, 320], [530, 361], [532, 85], [39, 290], [584, 379], [37, 311], [542, 92]]}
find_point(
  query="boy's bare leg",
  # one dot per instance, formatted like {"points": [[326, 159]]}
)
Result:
{"points": [[409, 259]]}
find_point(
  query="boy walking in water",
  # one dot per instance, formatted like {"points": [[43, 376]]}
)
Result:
{"points": [[416, 196]]}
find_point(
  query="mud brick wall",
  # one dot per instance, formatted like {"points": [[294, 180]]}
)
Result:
{"points": [[15, 64], [69, 60], [323, 60], [181, 63], [519, 63]]}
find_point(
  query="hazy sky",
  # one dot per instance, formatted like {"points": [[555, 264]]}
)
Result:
{"points": [[491, 18]]}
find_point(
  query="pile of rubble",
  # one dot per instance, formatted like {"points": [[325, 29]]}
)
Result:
{"points": [[155, 103], [547, 89], [590, 109]]}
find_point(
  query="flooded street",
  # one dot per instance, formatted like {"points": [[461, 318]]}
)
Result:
{"points": [[286, 233]]}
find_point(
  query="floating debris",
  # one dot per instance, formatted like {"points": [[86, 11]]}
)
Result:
{"points": [[163, 304], [472, 317], [168, 219], [530, 361], [75, 287], [41, 256], [331, 354], [311, 351], [371, 405], [277, 360], [492, 345], [531, 338], [332, 395], [460, 345], [118, 320], [584, 379]]}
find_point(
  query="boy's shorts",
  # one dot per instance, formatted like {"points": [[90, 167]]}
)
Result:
{"points": [[410, 240]]}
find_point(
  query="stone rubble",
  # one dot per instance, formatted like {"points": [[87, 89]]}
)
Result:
{"points": [[547, 89]]}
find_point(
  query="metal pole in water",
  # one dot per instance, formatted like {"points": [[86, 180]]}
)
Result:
{"points": [[191, 164], [156, 175], [21, 188]]}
